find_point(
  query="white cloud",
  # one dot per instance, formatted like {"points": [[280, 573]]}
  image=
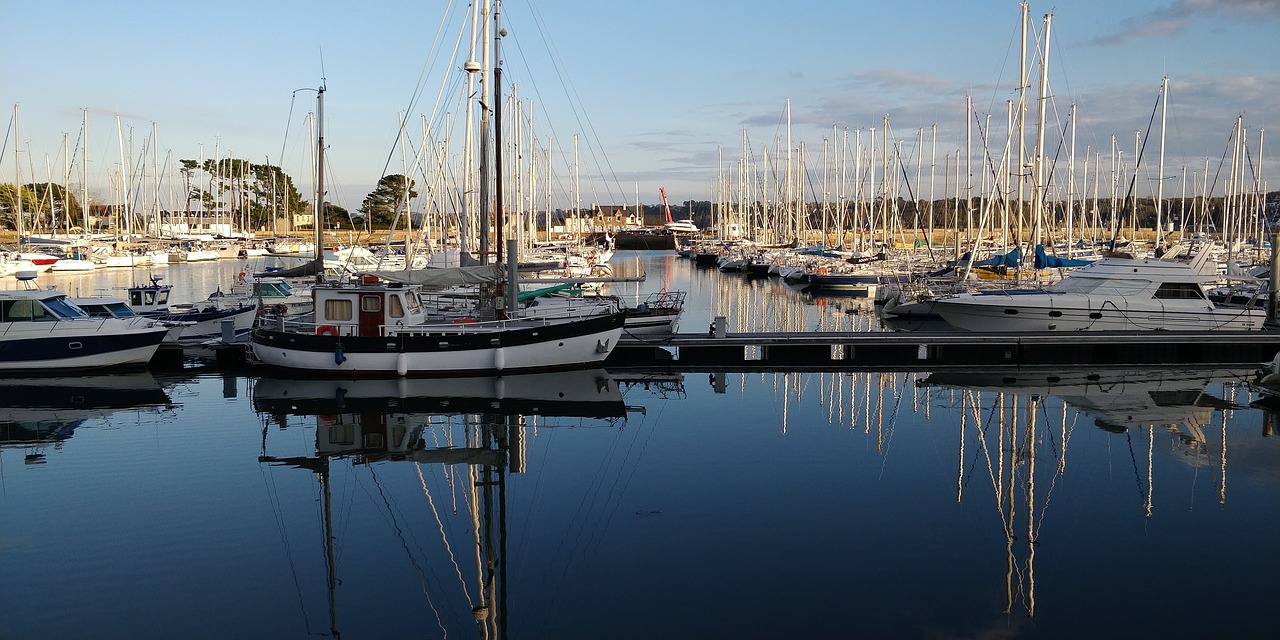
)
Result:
{"points": [[1178, 16]]}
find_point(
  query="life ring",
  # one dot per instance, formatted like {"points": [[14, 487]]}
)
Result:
{"points": [[240, 278], [822, 271], [326, 330]]}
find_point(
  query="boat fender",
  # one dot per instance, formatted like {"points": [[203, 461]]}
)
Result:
{"points": [[326, 330], [339, 356], [402, 364], [499, 359], [340, 397]]}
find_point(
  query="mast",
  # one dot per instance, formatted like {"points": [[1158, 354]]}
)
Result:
{"points": [[1164, 110], [1039, 191], [84, 170], [1022, 120], [499, 218], [17, 171], [318, 219], [485, 82]]}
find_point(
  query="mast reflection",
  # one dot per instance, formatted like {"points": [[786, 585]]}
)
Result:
{"points": [[1031, 429], [473, 428]]}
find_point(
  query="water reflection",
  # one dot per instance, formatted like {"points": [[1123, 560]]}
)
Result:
{"points": [[461, 438], [1014, 437], [40, 412]]}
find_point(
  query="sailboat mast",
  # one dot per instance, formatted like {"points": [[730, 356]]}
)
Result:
{"points": [[17, 172], [84, 169], [1022, 120], [499, 219], [318, 220], [1164, 111], [1039, 191]]}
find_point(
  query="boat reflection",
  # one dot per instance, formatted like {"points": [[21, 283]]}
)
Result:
{"points": [[43, 411], [458, 440], [1117, 399], [1016, 426]]}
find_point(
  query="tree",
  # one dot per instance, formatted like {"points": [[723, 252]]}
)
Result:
{"points": [[334, 214], [254, 193], [63, 206], [387, 200], [9, 203], [188, 170]]}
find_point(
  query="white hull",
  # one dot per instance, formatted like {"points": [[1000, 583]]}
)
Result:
{"points": [[570, 352], [1113, 294], [57, 346], [654, 325], [993, 311], [70, 264]]}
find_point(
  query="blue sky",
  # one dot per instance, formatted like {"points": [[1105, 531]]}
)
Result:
{"points": [[658, 92]]}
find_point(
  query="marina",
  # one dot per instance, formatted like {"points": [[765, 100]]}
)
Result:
{"points": [[898, 361], [723, 499]]}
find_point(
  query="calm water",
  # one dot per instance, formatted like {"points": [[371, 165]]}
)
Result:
{"points": [[1022, 504]]}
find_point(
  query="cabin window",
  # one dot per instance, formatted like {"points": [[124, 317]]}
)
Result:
{"points": [[96, 310], [1180, 291], [337, 309], [120, 310], [162, 297], [25, 311], [61, 307], [395, 307], [135, 298], [149, 298], [411, 300], [371, 304]]}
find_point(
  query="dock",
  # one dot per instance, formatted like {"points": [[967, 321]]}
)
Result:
{"points": [[838, 350]]}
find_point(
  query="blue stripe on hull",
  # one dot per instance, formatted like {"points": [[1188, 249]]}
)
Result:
{"points": [[20, 353]]}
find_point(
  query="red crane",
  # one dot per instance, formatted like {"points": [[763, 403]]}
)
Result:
{"points": [[666, 209]]}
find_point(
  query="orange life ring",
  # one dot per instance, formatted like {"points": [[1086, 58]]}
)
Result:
{"points": [[822, 271], [326, 330], [240, 278]]}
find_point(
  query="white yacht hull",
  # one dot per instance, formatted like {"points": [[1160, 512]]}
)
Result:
{"points": [[997, 311], [79, 345]]}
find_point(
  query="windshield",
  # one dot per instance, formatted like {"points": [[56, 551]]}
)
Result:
{"points": [[64, 308]]}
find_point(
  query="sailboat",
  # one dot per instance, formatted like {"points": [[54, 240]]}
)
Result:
{"points": [[381, 324]]}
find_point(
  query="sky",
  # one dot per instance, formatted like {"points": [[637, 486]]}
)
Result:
{"points": [[660, 93]]}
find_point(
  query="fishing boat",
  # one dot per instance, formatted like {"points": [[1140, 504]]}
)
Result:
{"points": [[43, 331], [372, 327], [658, 314], [1112, 294], [381, 325]]}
